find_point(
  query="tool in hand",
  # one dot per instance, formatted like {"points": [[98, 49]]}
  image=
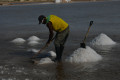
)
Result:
{"points": [[42, 49]]}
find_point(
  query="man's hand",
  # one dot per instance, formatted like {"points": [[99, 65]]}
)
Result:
{"points": [[47, 44]]}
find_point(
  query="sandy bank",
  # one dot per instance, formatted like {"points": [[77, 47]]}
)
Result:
{"points": [[5, 3]]}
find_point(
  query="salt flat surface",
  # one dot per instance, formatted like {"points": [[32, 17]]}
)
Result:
{"points": [[84, 55], [78, 16]]}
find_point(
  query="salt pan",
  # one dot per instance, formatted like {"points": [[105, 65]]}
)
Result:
{"points": [[102, 39], [84, 55], [33, 38], [18, 40]]}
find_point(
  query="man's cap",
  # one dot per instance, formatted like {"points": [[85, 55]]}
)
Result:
{"points": [[40, 18]]}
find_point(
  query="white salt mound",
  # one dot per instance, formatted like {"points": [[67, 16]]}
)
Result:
{"points": [[33, 38], [45, 61], [48, 58], [32, 43], [51, 54], [18, 40], [102, 39], [84, 55]]}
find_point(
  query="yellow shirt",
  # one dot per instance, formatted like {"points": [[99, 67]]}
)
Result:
{"points": [[57, 23]]}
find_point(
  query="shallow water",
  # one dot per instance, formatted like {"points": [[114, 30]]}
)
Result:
{"points": [[21, 21]]}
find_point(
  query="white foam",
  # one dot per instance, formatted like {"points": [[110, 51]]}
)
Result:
{"points": [[84, 55], [45, 61], [32, 43], [18, 40], [102, 39], [33, 38]]}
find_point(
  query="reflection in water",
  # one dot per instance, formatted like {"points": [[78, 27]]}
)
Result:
{"points": [[105, 48], [60, 75]]}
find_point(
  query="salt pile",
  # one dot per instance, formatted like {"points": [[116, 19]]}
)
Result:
{"points": [[18, 40], [48, 57], [102, 39], [84, 55], [33, 38], [51, 54], [45, 61], [32, 43]]}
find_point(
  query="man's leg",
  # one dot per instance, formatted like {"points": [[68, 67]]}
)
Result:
{"points": [[57, 47], [59, 42], [62, 45], [58, 56], [61, 50]]}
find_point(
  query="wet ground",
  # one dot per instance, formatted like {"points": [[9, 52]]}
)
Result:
{"points": [[21, 21]]}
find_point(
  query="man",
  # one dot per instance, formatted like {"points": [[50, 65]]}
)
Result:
{"points": [[61, 28]]}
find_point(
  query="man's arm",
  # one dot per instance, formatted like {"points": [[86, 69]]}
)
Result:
{"points": [[50, 27]]}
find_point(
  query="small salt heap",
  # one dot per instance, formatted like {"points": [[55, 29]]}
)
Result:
{"points": [[33, 40], [48, 57], [32, 43], [84, 55], [102, 39], [18, 41], [51, 54], [45, 61]]}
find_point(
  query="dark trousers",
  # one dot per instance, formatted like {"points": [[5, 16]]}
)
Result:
{"points": [[59, 42]]}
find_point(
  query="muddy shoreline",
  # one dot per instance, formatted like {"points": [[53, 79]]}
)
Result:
{"points": [[5, 3]]}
